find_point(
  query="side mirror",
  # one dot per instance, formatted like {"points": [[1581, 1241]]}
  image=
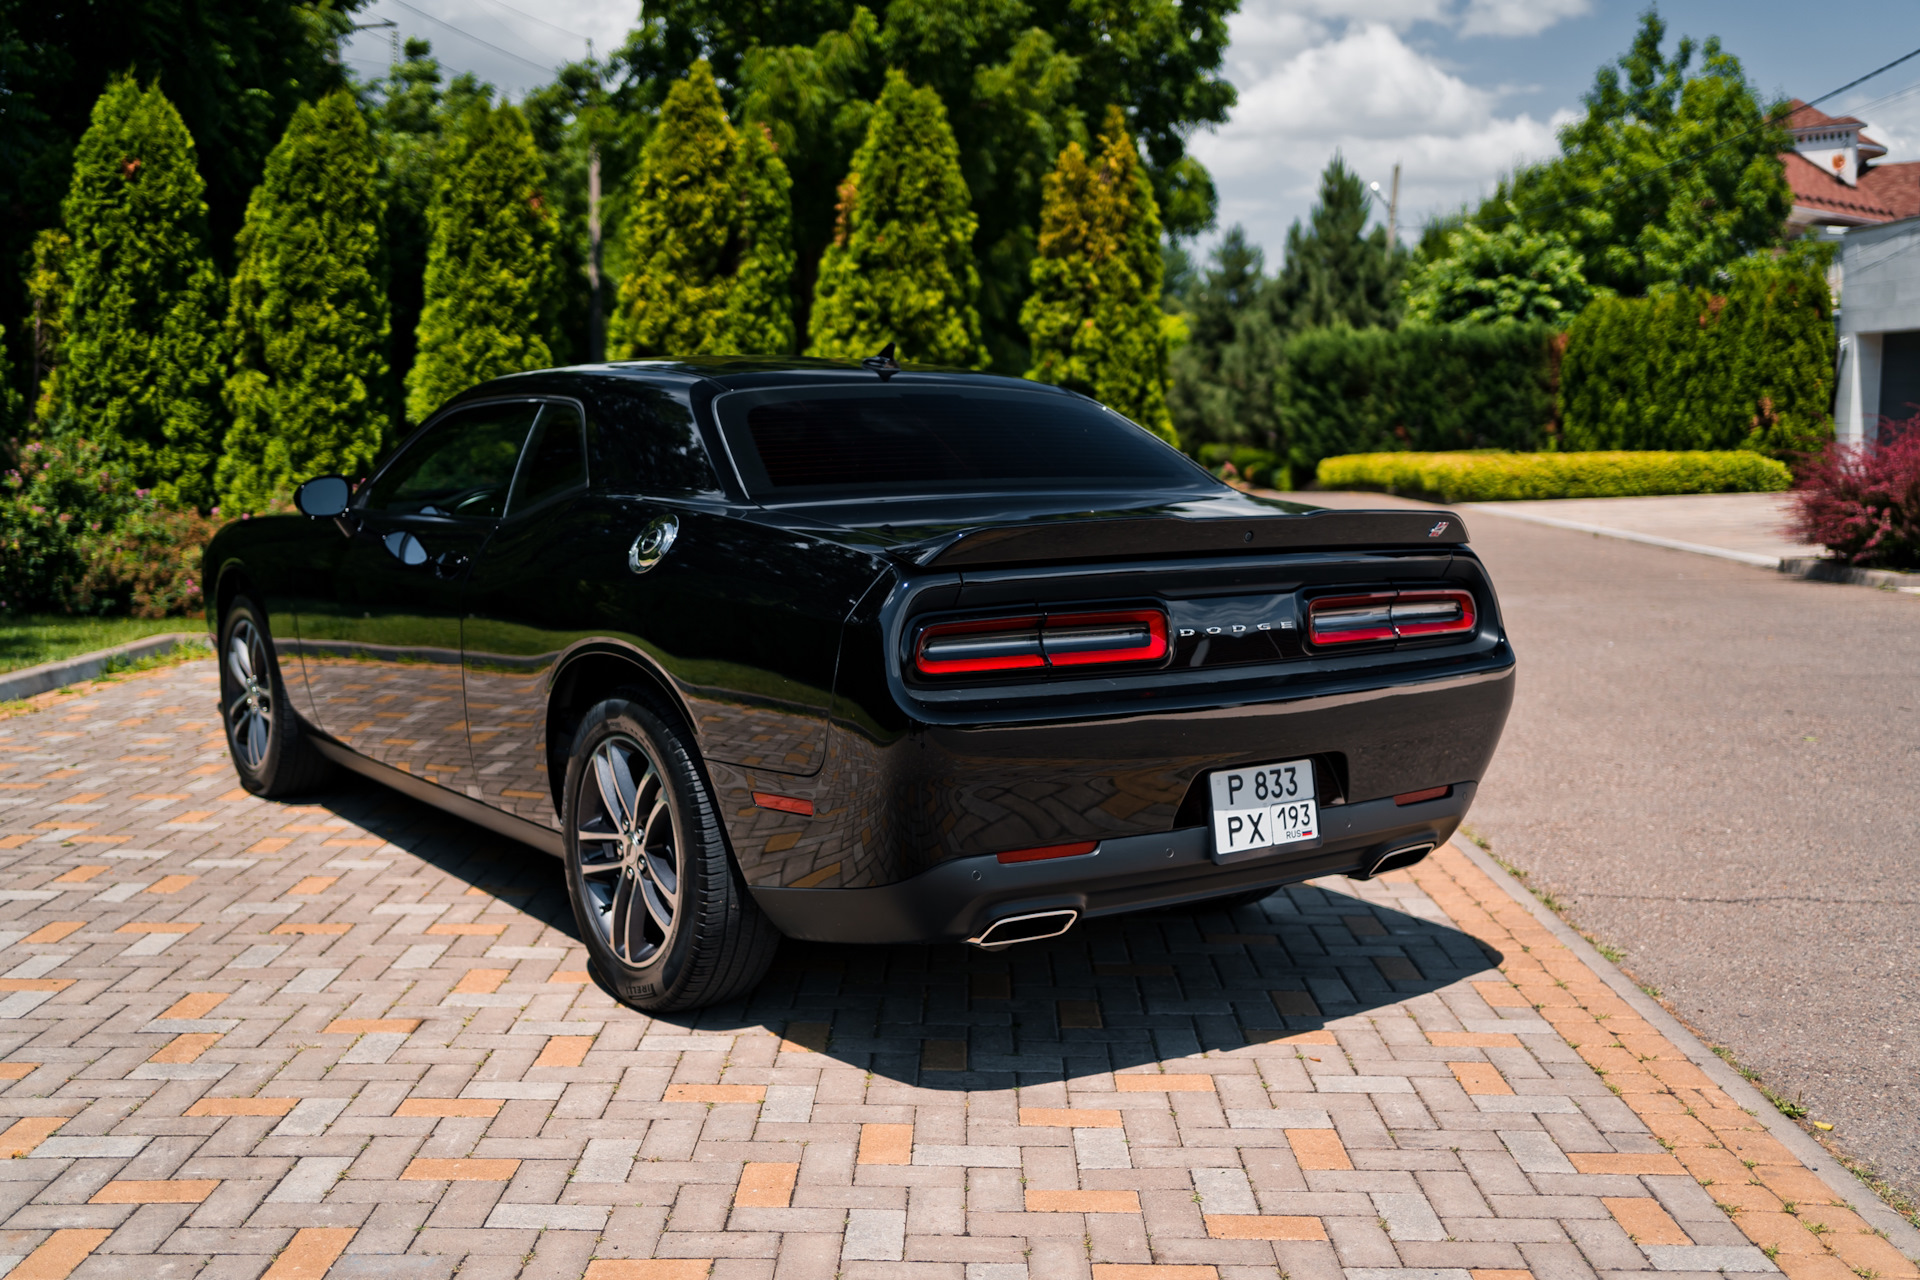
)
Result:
{"points": [[323, 498]]}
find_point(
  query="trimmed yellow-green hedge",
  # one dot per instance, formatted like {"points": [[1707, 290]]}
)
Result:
{"points": [[1504, 477]]}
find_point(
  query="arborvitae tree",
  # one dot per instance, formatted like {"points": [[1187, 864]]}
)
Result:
{"points": [[48, 293], [489, 261], [307, 323], [1337, 272], [142, 354], [900, 268], [709, 241], [1094, 316]]}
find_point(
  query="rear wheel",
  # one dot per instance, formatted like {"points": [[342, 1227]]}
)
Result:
{"points": [[271, 755], [663, 912]]}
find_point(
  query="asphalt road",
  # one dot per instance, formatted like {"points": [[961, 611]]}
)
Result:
{"points": [[1715, 767]]}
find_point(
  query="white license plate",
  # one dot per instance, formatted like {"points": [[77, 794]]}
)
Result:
{"points": [[1263, 807]]}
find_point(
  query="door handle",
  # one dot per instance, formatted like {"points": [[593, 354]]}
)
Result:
{"points": [[449, 565]]}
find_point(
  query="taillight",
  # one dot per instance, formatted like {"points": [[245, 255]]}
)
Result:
{"points": [[1390, 615], [1056, 640]]}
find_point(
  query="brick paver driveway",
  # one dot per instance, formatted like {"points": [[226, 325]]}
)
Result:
{"points": [[355, 1038]]}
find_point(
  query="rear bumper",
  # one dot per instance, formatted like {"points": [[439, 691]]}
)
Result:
{"points": [[959, 898]]}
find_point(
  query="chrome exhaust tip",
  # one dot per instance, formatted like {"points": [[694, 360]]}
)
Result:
{"points": [[1394, 859], [1026, 928]]}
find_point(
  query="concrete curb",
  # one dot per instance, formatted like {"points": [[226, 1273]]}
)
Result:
{"points": [[1834, 571], [54, 675], [1845, 1187], [1627, 535]]}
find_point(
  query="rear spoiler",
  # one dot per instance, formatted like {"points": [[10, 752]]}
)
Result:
{"points": [[1129, 538]]}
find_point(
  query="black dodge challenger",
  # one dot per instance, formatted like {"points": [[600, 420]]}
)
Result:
{"points": [[857, 653]]}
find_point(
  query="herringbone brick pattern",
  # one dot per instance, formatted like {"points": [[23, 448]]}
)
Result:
{"points": [[352, 1038]]}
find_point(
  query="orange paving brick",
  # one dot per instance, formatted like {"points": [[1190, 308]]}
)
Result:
{"points": [[311, 1253], [54, 932], [1642, 1218], [460, 1171], [229, 797], [467, 930], [1253, 1226], [171, 884], [571, 1051], [1155, 1271], [17, 1070], [242, 1107], [330, 930], [482, 982], [1318, 1149], [1082, 1201], [35, 984], [765, 1186], [1080, 1014], [1070, 1117], [571, 975], [198, 1004], [943, 1055], [649, 1269], [1502, 995], [804, 1037], [1623, 1162], [80, 875], [25, 1134], [1479, 1077], [371, 1026], [14, 842], [270, 844], [1151, 1083], [157, 926], [1294, 1004], [181, 1191], [1472, 1040], [1491, 1273], [187, 1047], [312, 884], [716, 1093], [486, 1107], [84, 797], [886, 1144], [59, 1254]]}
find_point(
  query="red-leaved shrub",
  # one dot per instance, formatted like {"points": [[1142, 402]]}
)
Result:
{"points": [[1863, 502]]}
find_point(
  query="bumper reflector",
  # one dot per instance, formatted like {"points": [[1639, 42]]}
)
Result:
{"points": [[1430, 793], [785, 804], [1049, 851]]}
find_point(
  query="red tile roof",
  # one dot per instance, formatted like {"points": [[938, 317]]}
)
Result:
{"points": [[1805, 117], [1886, 191]]}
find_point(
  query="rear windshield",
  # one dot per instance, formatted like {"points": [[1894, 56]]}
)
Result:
{"points": [[801, 443]]}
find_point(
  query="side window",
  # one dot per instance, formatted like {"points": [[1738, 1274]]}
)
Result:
{"points": [[645, 440], [555, 460], [460, 467]]}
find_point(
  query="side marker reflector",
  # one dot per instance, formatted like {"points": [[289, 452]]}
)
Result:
{"points": [[1430, 793], [785, 804], [1050, 851]]}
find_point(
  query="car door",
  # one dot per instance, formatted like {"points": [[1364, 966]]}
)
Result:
{"points": [[383, 659], [523, 612]]}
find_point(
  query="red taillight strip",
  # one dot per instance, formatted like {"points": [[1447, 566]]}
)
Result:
{"points": [[1074, 850], [1389, 615], [1416, 797], [1034, 640], [785, 804]]}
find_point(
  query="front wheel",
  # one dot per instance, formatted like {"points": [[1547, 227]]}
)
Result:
{"points": [[271, 755], [665, 916]]}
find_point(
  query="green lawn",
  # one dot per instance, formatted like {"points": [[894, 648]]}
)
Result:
{"points": [[36, 638]]}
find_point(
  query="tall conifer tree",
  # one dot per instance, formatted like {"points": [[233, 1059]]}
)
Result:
{"points": [[709, 236], [308, 317], [900, 268], [1094, 316], [1336, 272], [489, 282], [140, 362]]}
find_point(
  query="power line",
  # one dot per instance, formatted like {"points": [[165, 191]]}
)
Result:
{"points": [[547, 70], [565, 31]]}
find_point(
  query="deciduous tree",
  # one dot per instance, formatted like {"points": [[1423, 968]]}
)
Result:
{"points": [[307, 322], [1506, 275], [900, 268], [141, 358]]}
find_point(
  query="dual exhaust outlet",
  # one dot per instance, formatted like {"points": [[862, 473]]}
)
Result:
{"points": [[1034, 926]]}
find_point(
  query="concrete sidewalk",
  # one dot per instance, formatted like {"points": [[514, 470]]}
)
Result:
{"points": [[355, 1038]]}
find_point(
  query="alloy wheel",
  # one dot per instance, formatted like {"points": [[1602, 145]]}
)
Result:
{"points": [[629, 856], [250, 710]]}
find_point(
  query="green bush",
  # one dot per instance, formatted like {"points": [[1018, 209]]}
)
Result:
{"points": [[1417, 387], [1748, 367], [1503, 477]]}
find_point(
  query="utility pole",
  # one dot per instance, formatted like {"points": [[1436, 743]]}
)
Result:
{"points": [[1393, 209], [596, 319]]}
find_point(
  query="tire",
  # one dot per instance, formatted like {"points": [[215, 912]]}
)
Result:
{"points": [[662, 909], [270, 751]]}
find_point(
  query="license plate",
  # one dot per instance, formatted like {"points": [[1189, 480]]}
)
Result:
{"points": [[1263, 807]]}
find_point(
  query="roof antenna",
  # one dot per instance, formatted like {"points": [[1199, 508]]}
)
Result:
{"points": [[883, 364]]}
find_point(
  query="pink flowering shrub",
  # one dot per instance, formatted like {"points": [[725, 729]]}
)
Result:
{"points": [[1863, 503], [75, 538]]}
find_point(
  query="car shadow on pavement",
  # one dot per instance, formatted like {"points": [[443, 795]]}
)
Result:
{"points": [[1114, 994]]}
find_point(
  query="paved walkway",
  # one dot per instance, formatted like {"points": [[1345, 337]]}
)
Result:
{"points": [[353, 1038]]}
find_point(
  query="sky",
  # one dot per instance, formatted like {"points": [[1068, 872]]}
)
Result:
{"points": [[1454, 91]]}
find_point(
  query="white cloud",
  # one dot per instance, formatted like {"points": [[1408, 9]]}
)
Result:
{"points": [[1377, 100], [1517, 17], [505, 42]]}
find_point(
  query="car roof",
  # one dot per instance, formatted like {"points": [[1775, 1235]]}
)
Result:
{"points": [[742, 372]]}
